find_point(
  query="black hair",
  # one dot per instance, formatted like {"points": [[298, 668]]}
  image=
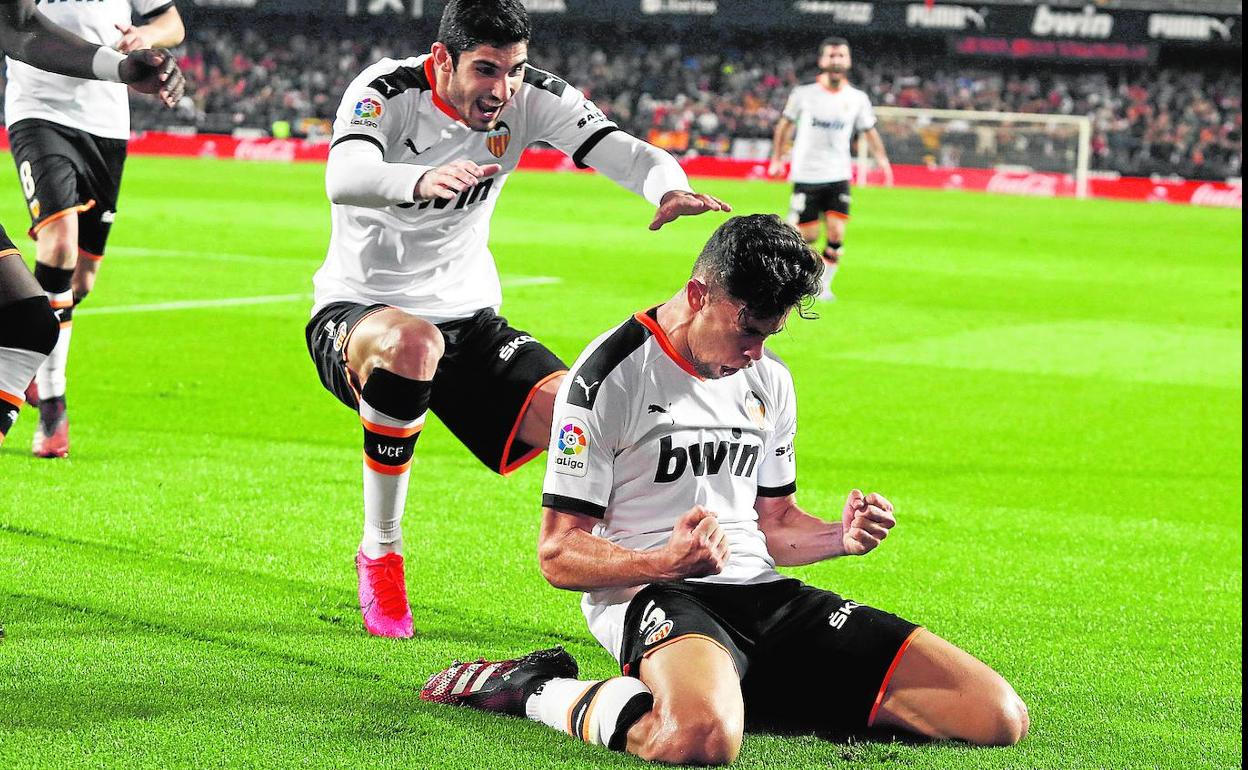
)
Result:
{"points": [[827, 41], [467, 24], [762, 262]]}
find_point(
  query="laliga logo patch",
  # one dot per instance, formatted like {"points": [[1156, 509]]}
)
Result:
{"points": [[367, 112], [369, 108], [755, 409], [35, 208], [340, 338], [497, 139], [571, 445]]}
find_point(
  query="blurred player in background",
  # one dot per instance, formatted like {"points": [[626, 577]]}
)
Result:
{"points": [[670, 499], [68, 137], [28, 325], [405, 304], [826, 115]]}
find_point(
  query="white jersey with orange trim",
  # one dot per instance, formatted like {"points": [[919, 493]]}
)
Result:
{"points": [[826, 123], [431, 258], [639, 439], [94, 106]]}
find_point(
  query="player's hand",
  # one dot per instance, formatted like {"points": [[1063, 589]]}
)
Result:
{"points": [[448, 181], [154, 71], [866, 521], [697, 547], [131, 38], [775, 169], [678, 203]]}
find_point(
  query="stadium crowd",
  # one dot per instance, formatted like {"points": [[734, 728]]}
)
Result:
{"points": [[700, 98]]}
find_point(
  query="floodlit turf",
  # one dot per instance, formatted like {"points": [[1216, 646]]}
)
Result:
{"points": [[1050, 392]]}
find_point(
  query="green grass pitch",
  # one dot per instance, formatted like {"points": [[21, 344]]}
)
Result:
{"points": [[1049, 390]]}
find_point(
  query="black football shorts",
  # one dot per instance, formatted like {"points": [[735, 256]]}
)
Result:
{"points": [[66, 170], [810, 202], [808, 659], [483, 384]]}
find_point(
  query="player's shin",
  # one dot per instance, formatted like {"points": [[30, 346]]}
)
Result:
{"points": [[392, 410], [27, 334], [51, 379], [600, 712]]}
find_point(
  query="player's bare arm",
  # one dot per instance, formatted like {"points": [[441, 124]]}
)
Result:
{"points": [[779, 146], [881, 155], [574, 558], [27, 35], [165, 30], [795, 537]]}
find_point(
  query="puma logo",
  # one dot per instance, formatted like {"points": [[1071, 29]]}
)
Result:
{"points": [[411, 146], [587, 388]]}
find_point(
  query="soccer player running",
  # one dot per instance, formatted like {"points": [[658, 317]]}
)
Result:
{"points": [[405, 308], [825, 114], [68, 137], [670, 499], [28, 325]]}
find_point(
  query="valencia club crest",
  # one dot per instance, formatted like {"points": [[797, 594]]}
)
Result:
{"points": [[497, 139]]}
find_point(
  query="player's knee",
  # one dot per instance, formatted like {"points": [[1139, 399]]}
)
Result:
{"points": [[1005, 721], [707, 738], [411, 349], [57, 246]]}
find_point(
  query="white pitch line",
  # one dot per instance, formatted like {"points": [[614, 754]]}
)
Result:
{"points": [[268, 299], [194, 304], [213, 256]]}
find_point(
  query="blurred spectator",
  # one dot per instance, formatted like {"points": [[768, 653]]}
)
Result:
{"points": [[698, 99]]}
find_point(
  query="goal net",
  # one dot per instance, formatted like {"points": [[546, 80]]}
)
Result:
{"points": [[1007, 142]]}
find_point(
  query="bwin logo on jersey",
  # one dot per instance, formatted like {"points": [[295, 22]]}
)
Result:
{"points": [[706, 459], [831, 125]]}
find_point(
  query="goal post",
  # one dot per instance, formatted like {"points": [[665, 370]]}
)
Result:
{"points": [[1003, 141]]}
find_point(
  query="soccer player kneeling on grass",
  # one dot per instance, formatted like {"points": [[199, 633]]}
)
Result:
{"points": [[670, 500]]}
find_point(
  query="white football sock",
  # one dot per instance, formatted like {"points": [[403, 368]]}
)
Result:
{"points": [[598, 712], [385, 491]]}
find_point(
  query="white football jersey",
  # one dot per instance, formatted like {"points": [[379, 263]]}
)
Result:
{"points": [[97, 107], [826, 122], [430, 258], [639, 439]]}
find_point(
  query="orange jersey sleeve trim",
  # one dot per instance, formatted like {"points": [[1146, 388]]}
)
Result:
{"points": [[12, 399], [60, 215], [666, 343], [438, 102], [507, 468], [879, 698]]}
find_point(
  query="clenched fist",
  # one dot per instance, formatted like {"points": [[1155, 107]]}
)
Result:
{"points": [[697, 547]]}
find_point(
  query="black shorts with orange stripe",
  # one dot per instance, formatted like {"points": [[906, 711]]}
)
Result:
{"points": [[65, 170], [810, 202], [809, 659], [488, 374]]}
